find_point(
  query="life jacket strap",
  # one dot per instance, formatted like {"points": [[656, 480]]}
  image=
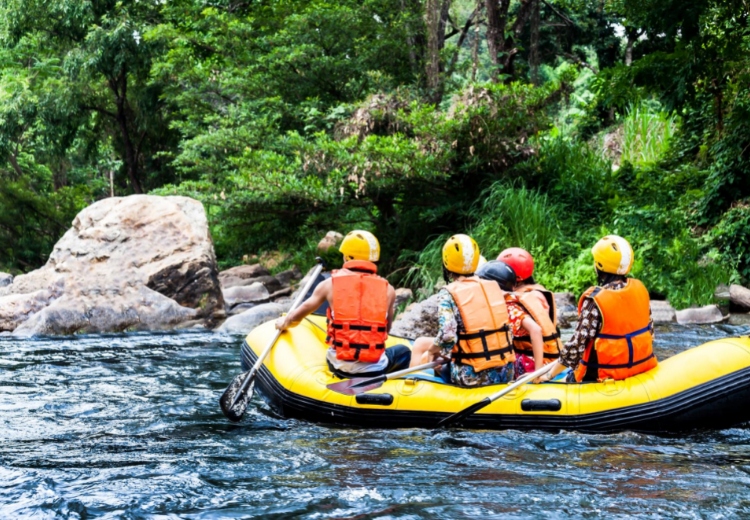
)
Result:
{"points": [[459, 356], [357, 347], [482, 333], [629, 338], [624, 365], [347, 326]]}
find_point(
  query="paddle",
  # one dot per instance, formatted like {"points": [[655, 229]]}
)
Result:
{"points": [[463, 414], [360, 385], [236, 397]]}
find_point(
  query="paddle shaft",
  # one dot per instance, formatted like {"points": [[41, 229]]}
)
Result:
{"points": [[296, 303], [466, 412], [355, 386]]}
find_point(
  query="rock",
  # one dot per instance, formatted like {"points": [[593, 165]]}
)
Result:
{"points": [[564, 299], [567, 308], [701, 315], [247, 294], [721, 292], [138, 262], [5, 279], [662, 312], [739, 296], [243, 272], [403, 295], [270, 282], [287, 277], [739, 319], [419, 320], [332, 239], [245, 322]]}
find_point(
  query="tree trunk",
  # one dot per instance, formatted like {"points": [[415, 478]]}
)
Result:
{"points": [[534, 43], [120, 88], [432, 23]]}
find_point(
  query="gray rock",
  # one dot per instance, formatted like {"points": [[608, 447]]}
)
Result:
{"points": [[287, 277], [247, 294], [739, 296], [662, 312], [5, 279], [245, 322], [701, 315], [739, 319], [420, 319], [332, 239], [138, 262], [565, 299], [245, 272], [403, 295], [721, 292]]}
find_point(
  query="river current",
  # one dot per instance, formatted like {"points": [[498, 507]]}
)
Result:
{"points": [[128, 426]]}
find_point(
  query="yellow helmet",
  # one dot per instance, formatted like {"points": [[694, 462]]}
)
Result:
{"points": [[461, 254], [361, 245], [613, 254]]}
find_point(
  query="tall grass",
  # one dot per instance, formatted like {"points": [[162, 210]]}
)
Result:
{"points": [[647, 133], [511, 216]]}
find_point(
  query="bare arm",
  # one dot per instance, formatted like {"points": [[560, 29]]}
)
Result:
{"points": [[537, 341], [315, 300], [391, 306]]}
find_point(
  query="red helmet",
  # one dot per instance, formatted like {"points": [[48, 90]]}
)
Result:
{"points": [[519, 260]]}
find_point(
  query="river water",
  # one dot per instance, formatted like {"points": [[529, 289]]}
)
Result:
{"points": [[128, 426]]}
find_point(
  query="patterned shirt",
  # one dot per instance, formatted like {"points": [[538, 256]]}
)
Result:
{"points": [[449, 323], [588, 326]]}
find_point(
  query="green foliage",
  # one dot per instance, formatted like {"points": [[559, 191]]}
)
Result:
{"points": [[647, 133], [289, 119]]}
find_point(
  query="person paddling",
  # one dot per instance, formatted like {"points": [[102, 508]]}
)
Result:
{"points": [[360, 313], [474, 330], [614, 334], [539, 304]]}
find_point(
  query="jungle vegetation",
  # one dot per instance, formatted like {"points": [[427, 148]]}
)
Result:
{"points": [[538, 123]]}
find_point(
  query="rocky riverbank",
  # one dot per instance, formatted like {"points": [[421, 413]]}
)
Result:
{"points": [[148, 263]]}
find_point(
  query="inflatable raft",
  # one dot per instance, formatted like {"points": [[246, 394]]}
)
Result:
{"points": [[704, 387]]}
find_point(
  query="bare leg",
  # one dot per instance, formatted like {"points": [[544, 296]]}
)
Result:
{"points": [[419, 351]]}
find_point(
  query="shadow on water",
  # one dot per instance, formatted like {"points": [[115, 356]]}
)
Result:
{"points": [[128, 426]]}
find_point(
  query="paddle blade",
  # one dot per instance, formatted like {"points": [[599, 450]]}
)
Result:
{"points": [[236, 397], [463, 414], [357, 386]]}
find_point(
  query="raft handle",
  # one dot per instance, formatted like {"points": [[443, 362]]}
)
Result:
{"points": [[541, 405], [376, 399]]}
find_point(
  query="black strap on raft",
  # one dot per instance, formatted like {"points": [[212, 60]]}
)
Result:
{"points": [[357, 347]]}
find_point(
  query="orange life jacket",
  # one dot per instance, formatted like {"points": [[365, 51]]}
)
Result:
{"points": [[624, 344], [545, 318], [358, 315], [485, 340]]}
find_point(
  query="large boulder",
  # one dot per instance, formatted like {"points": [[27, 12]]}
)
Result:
{"points": [[138, 262], [246, 294]]}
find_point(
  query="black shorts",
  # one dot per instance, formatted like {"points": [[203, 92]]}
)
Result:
{"points": [[399, 358]]}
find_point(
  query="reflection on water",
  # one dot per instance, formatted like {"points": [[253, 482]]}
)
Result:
{"points": [[129, 426]]}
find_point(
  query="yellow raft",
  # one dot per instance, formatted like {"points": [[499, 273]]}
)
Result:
{"points": [[704, 387]]}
